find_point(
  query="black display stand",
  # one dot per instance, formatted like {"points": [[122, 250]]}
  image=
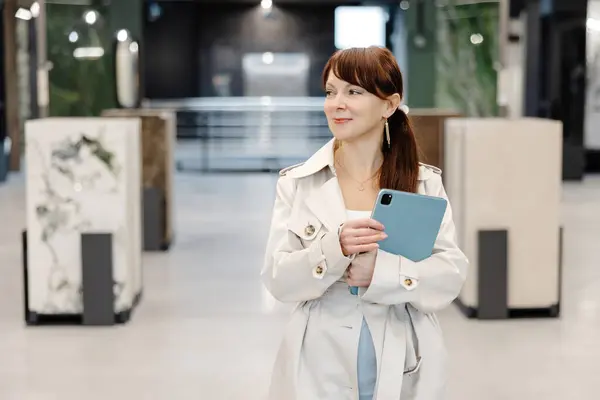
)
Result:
{"points": [[154, 220], [4, 163]]}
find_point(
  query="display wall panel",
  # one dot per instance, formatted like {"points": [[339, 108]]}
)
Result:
{"points": [[428, 126], [158, 132]]}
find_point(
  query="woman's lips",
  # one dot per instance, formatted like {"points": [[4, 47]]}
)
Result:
{"points": [[341, 120]]}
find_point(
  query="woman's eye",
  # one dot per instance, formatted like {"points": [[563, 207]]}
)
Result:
{"points": [[354, 91], [328, 92]]}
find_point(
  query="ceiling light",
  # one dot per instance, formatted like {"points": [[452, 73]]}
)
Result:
{"points": [[122, 35], [35, 9], [91, 17], [23, 14], [476, 38], [266, 4], [268, 58], [88, 53]]}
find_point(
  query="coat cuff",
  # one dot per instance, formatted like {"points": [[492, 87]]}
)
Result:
{"points": [[392, 276], [409, 273], [334, 261]]}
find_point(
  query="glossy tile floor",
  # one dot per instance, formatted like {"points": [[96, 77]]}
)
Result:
{"points": [[207, 330]]}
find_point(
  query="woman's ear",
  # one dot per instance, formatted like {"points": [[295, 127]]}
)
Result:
{"points": [[392, 104]]}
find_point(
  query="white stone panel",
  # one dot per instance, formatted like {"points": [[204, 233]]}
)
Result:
{"points": [[82, 176]]}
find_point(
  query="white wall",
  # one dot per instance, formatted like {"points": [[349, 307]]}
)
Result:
{"points": [[399, 46], [510, 79], [592, 103]]}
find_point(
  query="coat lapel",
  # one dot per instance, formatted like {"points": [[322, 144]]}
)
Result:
{"points": [[327, 203]]}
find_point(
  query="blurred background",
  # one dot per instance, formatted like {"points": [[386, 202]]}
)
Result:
{"points": [[199, 104]]}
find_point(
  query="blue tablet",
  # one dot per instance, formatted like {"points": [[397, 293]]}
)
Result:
{"points": [[412, 222]]}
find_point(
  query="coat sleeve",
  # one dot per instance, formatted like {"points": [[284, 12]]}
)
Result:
{"points": [[428, 285], [291, 272]]}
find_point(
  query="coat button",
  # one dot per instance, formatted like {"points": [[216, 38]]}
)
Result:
{"points": [[309, 230], [318, 272], [408, 282]]}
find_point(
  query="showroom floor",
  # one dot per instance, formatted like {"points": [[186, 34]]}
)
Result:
{"points": [[206, 329]]}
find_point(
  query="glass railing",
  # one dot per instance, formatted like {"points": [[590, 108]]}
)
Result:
{"points": [[246, 134]]}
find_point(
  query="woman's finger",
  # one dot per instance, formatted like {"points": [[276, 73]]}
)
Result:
{"points": [[362, 248], [363, 232], [371, 223], [365, 223], [357, 240]]}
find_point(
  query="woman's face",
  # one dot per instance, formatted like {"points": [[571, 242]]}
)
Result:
{"points": [[351, 111]]}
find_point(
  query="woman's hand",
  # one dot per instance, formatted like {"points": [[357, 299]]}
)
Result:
{"points": [[360, 273], [361, 236]]}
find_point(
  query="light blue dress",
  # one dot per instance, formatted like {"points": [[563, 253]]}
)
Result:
{"points": [[367, 364], [367, 359]]}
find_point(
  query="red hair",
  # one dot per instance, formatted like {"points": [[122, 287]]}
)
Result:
{"points": [[375, 69]]}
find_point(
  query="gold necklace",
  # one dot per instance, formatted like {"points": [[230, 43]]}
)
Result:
{"points": [[361, 185]]}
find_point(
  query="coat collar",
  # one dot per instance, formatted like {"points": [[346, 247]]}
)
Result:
{"points": [[323, 158]]}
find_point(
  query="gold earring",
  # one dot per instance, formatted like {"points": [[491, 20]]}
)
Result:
{"points": [[387, 132]]}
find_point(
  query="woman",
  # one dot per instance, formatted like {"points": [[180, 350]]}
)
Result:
{"points": [[384, 343]]}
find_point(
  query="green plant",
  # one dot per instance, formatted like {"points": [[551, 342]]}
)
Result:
{"points": [[466, 68], [79, 87]]}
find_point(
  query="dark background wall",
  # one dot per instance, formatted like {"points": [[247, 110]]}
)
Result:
{"points": [[171, 43], [191, 42], [556, 73]]}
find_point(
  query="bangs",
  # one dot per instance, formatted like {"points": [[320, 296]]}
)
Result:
{"points": [[364, 67]]}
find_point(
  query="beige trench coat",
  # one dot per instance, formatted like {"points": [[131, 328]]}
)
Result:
{"points": [[304, 264]]}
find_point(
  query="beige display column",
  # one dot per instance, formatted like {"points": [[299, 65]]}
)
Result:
{"points": [[504, 182]]}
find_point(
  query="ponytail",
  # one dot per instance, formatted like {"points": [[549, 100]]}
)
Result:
{"points": [[400, 169]]}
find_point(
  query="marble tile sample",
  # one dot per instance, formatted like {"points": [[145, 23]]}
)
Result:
{"points": [[82, 176], [505, 174], [158, 137], [428, 126]]}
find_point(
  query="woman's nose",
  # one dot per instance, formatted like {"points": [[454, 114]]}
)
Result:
{"points": [[340, 101]]}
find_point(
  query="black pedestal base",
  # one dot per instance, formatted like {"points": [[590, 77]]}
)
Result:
{"points": [[36, 319], [155, 217], [513, 313], [97, 287], [493, 278], [4, 166]]}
